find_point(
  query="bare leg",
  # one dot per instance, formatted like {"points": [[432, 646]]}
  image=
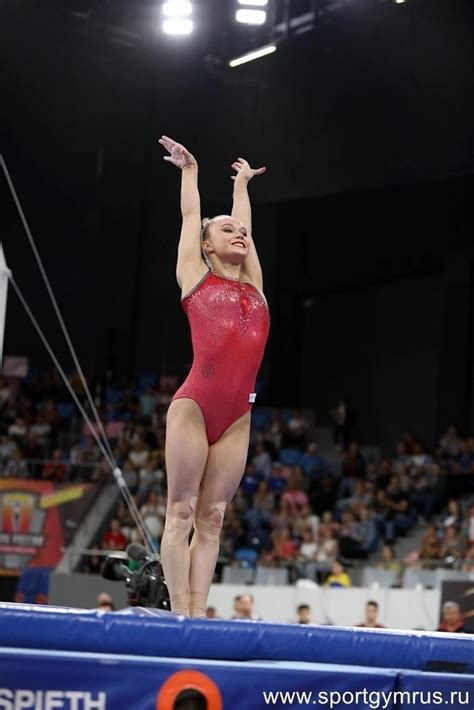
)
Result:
{"points": [[186, 454], [224, 470]]}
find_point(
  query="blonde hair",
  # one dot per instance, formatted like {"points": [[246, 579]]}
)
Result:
{"points": [[205, 224]]}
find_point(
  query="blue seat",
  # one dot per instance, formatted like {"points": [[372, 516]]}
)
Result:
{"points": [[246, 556]]}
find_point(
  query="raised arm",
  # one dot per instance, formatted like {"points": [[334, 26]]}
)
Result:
{"points": [[189, 264], [242, 211]]}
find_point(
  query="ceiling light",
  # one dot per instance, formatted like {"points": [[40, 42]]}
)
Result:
{"points": [[177, 8], [251, 17], [250, 56], [178, 27]]}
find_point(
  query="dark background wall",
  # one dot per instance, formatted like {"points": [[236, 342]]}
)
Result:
{"points": [[364, 219]]}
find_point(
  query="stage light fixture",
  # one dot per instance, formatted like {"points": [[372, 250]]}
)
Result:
{"points": [[178, 26], [251, 17], [177, 8], [255, 54], [253, 3]]}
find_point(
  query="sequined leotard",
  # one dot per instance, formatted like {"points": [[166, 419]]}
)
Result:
{"points": [[229, 323]]}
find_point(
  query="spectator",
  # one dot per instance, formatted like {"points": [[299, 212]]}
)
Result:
{"points": [[324, 495], [401, 460], [274, 432], [464, 463], [16, 467], [264, 500], [211, 613], [452, 546], [151, 477], [338, 576], [33, 452], [101, 473], [313, 464], [394, 511], [353, 468], [250, 481], [389, 560], [294, 496], [296, 430], [18, 430], [244, 608], [430, 550], [114, 539], [342, 426], [453, 620], [383, 475], [450, 442], [42, 431], [262, 461], [51, 416], [366, 530], [350, 542], [306, 519], [303, 614], [105, 602], [306, 560], [469, 524], [139, 454], [454, 515], [419, 461], [284, 547], [130, 475], [148, 403], [425, 487], [468, 564], [277, 482], [7, 448], [371, 613], [153, 512], [362, 495], [56, 469], [78, 471], [409, 441]]}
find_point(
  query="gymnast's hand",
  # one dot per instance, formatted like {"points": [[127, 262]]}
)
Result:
{"points": [[244, 171], [178, 154]]}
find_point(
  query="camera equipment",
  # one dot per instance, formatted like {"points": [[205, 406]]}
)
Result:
{"points": [[143, 577]]}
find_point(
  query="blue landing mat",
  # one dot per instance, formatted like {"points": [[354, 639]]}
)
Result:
{"points": [[53, 658], [58, 628]]}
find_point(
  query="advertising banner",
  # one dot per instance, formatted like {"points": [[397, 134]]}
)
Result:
{"points": [[107, 682], [463, 594], [36, 519]]}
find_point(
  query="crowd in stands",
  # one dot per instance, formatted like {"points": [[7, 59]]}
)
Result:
{"points": [[293, 507]]}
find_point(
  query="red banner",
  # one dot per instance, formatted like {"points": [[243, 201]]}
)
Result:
{"points": [[36, 519]]}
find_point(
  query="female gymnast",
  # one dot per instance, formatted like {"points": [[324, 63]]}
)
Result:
{"points": [[208, 421]]}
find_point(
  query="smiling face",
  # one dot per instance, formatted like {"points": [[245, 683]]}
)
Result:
{"points": [[226, 238]]}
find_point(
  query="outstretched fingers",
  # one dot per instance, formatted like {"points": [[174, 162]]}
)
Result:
{"points": [[167, 143]]}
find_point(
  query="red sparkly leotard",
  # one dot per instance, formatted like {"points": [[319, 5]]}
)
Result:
{"points": [[229, 322]]}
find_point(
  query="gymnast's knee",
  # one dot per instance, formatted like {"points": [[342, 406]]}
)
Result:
{"points": [[208, 524], [179, 521]]}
